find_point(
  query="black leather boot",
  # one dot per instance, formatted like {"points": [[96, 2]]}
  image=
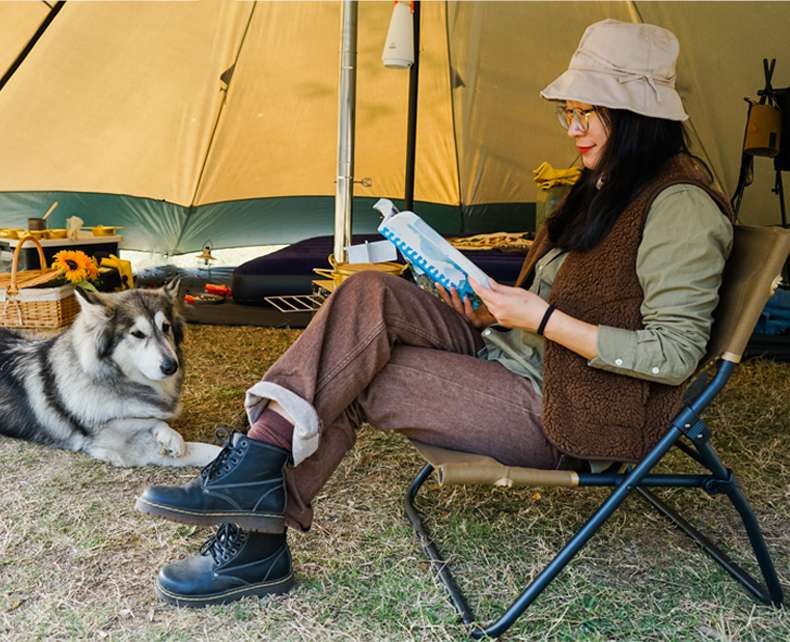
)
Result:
{"points": [[243, 485], [231, 565]]}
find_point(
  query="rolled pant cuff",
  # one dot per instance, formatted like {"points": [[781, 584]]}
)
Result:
{"points": [[307, 425]]}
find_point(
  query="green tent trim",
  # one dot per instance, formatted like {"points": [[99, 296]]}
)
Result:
{"points": [[167, 228]]}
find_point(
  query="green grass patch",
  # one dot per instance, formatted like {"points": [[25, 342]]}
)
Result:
{"points": [[78, 563]]}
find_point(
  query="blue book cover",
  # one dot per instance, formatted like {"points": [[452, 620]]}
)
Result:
{"points": [[429, 254]]}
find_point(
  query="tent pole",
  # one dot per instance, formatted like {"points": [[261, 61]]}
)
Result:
{"points": [[29, 46], [345, 131], [411, 128]]}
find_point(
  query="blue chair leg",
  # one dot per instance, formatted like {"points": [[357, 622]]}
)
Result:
{"points": [[724, 482], [574, 545]]}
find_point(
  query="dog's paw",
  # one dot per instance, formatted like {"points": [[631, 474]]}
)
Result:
{"points": [[198, 454], [171, 444]]}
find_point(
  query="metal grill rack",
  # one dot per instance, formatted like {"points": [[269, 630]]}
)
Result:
{"points": [[289, 303]]}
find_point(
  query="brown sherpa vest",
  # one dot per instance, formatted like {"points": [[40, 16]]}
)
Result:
{"points": [[590, 413]]}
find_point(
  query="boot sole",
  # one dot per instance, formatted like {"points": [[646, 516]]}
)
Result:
{"points": [[273, 524], [276, 587]]}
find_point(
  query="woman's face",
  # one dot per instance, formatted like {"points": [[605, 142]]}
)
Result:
{"points": [[589, 143]]}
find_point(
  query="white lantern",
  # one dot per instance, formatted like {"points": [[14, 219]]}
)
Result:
{"points": [[399, 47]]}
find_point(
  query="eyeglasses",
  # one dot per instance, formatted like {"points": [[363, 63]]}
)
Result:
{"points": [[581, 117]]}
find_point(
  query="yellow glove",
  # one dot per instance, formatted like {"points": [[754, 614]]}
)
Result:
{"points": [[547, 176]]}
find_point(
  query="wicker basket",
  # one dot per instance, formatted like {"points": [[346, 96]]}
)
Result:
{"points": [[24, 306]]}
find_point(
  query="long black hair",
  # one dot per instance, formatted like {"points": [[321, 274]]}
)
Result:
{"points": [[637, 148]]}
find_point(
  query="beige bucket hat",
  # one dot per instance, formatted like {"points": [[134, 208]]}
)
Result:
{"points": [[623, 66]]}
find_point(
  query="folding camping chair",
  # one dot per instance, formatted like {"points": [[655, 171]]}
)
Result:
{"points": [[752, 271]]}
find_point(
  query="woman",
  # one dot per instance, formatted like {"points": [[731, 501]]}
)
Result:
{"points": [[614, 302]]}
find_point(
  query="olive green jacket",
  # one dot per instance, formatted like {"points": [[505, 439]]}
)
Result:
{"points": [[685, 244]]}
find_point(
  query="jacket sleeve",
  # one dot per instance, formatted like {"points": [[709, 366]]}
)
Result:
{"points": [[680, 260]]}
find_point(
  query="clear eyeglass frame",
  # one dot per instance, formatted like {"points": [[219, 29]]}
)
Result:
{"points": [[567, 117]]}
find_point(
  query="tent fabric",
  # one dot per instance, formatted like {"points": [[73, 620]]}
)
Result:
{"points": [[18, 22], [503, 53], [139, 98], [286, 80], [188, 121], [119, 98]]}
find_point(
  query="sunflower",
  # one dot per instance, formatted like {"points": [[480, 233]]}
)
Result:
{"points": [[93, 269], [75, 265]]}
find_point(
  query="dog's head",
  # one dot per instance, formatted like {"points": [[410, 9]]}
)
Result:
{"points": [[139, 331]]}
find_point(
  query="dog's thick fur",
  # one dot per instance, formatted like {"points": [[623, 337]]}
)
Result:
{"points": [[107, 385]]}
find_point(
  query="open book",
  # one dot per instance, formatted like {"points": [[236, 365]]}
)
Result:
{"points": [[430, 255]]}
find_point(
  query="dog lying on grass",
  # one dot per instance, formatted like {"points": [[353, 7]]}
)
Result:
{"points": [[107, 385]]}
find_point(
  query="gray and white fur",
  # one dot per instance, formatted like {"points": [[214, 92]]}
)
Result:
{"points": [[106, 386]]}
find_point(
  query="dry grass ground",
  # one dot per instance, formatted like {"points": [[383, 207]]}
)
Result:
{"points": [[76, 562]]}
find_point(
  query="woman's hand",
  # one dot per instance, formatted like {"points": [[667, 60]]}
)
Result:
{"points": [[479, 318], [511, 307], [518, 308]]}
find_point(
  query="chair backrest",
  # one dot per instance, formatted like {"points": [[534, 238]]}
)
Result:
{"points": [[752, 272]]}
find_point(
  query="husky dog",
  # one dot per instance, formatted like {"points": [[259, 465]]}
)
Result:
{"points": [[107, 385]]}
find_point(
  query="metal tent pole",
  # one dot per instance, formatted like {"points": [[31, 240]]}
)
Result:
{"points": [[411, 135], [345, 131]]}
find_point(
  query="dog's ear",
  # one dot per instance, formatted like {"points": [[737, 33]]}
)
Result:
{"points": [[92, 303], [172, 287], [87, 296], [97, 308]]}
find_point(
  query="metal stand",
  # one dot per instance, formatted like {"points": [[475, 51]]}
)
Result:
{"points": [[296, 302], [721, 480]]}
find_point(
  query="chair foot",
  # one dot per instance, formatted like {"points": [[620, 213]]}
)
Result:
{"points": [[438, 563], [770, 596]]}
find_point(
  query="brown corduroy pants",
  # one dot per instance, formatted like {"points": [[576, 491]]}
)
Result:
{"points": [[383, 351]]}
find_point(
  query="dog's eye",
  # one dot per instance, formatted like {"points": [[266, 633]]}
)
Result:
{"points": [[137, 334], [165, 327]]}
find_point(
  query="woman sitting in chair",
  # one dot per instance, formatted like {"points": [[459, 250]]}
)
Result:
{"points": [[576, 366]]}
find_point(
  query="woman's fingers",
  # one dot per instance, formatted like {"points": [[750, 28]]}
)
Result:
{"points": [[451, 298], [443, 293], [469, 311], [457, 303], [483, 293], [464, 306], [493, 286]]}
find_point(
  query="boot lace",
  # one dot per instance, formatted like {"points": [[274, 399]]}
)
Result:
{"points": [[227, 458], [225, 544]]}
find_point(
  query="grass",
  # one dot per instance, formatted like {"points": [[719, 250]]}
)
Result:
{"points": [[76, 561]]}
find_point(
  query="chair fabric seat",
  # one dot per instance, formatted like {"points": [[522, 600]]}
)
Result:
{"points": [[456, 467]]}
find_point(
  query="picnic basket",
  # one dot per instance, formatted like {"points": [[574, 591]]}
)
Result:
{"points": [[23, 305]]}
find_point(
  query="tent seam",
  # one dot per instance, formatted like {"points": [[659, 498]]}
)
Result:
{"points": [[452, 114], [17, 63], [210, 145]]}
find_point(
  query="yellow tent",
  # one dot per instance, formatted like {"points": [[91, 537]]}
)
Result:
{"points": [[217, 119]]}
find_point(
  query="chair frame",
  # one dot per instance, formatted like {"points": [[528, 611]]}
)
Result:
{"points": [[687, 425]]}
